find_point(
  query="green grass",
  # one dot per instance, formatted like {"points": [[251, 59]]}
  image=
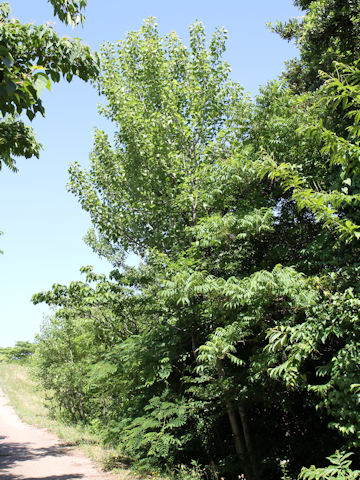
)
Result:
{"points": [[28, 401]]}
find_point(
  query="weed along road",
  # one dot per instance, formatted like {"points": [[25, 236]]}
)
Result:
{"points": [[29, 453]]}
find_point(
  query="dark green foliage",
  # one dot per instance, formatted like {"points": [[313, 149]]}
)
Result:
{"points": [[329, 31], [339, 468], [235, 341]]}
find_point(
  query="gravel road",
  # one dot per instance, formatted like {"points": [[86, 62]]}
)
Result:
{"points": [[29, 453]]}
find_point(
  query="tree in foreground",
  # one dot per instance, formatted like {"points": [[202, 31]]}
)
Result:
{"points": [[31, 57], [235, 342]]}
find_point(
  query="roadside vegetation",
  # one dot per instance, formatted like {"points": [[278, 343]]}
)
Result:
{"points": [[30, 403], [232, 350]]}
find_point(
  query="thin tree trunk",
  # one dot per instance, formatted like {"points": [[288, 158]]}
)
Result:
{"points": [[214, 469], [248, 442], [235, 428], [193, 345], [81, 406]]}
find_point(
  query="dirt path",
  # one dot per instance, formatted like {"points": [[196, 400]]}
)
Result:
{"points": [[29, 453]]}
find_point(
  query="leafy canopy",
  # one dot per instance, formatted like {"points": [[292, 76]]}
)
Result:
{"points": [[31, 57]]}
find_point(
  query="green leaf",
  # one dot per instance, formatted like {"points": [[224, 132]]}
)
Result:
{"points": [[7, 61], [41, 81], [10, 87], [30, 114]]}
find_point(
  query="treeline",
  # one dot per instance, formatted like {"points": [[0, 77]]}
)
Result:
{"points": [[235, 342], [20, 352]]}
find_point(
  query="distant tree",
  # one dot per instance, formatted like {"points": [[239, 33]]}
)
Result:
{"points": [[4, 354], [21, 351]]}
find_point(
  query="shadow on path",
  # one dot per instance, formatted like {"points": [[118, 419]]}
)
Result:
{"points": [[52, 477], [11, 452]]}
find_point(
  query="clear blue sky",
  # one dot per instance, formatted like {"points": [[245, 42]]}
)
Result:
{"points": [[43, 224]]}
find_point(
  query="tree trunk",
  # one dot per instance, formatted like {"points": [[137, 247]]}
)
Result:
{"points": [[194, 345], [214, 470], [235, 428], [81, 406], [248, 442]]}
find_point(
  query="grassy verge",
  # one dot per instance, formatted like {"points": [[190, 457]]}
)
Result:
{"points": [[28, 402]]}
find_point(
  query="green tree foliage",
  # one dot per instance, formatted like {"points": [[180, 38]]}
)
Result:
{"points": [[22, 351], [328, 32], [235, 341], [172, 107], [69, 11], [31, 57], [336, 207], [339, 468]]}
